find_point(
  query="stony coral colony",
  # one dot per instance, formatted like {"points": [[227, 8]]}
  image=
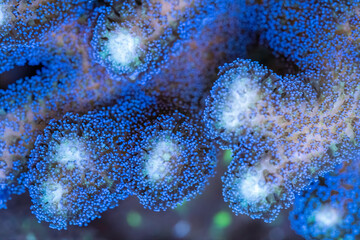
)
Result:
{"points": [[137, 97]]}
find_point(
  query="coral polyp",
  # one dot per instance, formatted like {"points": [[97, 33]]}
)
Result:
{"points": [[131, 37], [250, 186], [171, 161], [247, 101], [119, 98], [24, 110], [329, 208], [68, 165]]}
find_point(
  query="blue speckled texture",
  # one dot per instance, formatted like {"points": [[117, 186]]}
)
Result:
{"points": [[128, 99]]}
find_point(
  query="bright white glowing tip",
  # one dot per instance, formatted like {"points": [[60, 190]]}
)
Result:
{"points": [[54, 193], [238, 105], [70, 154], [253, 188], [158, 164], [327, 216], [123, 47]]}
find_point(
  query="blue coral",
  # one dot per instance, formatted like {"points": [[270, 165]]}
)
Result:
{"points": [[133, 37], [69, 180], [77, 169], [158, 141], [22, 110], [171, 161], [301, 30], [329, 208], [251, 188], [237, 86], [27, 22], [260, 116], [217, 35], [94, 147]]}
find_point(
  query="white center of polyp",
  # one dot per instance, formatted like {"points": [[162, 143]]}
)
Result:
{"points": [[70, 153], [158, 164], [123, 47], [327, 216], [253, 188], [53, 194], [242, 96]]}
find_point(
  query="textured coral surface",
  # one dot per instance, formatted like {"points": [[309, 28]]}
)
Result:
{"points": [[105, 104]]}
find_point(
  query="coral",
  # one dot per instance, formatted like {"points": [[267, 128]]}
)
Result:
{"points": [[249, 102], [136, 35], [171, 161], [250, 186], [301, 30], [189, 72], [26, 22], [285, 131], [137, 97], [25, 108], [69, 164], [83, 157], [329, 208], [246, 113]]}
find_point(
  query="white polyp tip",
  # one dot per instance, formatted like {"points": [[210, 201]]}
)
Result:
{"points": [[70, 154], [123, 47], [327, 216], [53, 194], [158, 164], [242, 96], [253, 188]]}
